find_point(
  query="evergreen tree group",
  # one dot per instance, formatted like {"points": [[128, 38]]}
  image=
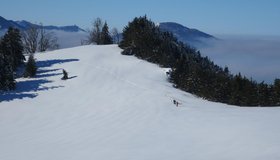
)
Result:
{"points": [[99, 34], [192, 72], [11, 57]]}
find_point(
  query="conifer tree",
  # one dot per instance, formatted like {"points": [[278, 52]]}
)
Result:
{"points": [[7, 81], [31, 68], [192, 72], [105, 35], [11, 56], [276, 92], [12, 47]]}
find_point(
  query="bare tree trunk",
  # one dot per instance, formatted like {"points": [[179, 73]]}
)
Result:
{"points": [[30, 39], [95, 32], [38, 39], [47, 40]]}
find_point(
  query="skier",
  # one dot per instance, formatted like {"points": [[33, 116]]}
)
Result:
{"points": [[65, 75], [175, 102]]}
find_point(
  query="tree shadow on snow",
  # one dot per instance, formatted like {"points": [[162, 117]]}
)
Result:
{"points": [[47, 75], [9, 96], [49, 63], [43, 71], [26, 86], [34, 85]]}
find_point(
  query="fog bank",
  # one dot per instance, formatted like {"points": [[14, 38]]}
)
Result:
{"points": [[254, 56]]}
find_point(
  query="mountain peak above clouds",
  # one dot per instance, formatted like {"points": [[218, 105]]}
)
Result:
{"points": [[68, 36], [187, 35], [23, 24], [5, 24]]}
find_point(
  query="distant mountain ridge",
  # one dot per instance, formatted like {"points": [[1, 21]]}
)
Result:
{"points": [[5, 24], [68, 36], [23, 25], [185, 34]]}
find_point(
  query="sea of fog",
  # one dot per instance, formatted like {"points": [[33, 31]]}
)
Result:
{"points": [[253, 56]]}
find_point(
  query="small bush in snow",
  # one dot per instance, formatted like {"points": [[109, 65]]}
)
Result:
{"points": [[31, 68]]}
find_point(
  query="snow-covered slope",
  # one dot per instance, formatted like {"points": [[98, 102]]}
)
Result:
{"points": [[117, 107]]}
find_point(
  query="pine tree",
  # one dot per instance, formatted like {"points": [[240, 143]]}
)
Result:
{"points": [[7, 62], [142, 38], [277, 91], [12, 47], [105, 35], [7, 81], [263, 90], [192, 72], [30, 70]]}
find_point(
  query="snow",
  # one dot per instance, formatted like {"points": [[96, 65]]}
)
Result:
{"points": [[118, 107]]}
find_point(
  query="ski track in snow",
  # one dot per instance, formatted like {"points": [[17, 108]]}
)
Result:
{"points": [[118, 107]]}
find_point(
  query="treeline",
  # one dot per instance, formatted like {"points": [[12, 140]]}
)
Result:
{"points": [[11, 57], [37, 39], [99, 34], [14, 44], [192, 72]]}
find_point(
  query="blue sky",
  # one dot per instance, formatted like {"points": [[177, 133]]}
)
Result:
{"points": [[250, 17]]}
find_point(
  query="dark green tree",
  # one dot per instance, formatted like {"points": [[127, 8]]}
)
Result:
{"points": [[192, 72], [7, 81], [31, 68], [12, 47], [105, 35], [11, 56], [264, 95], [276, 92]]}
